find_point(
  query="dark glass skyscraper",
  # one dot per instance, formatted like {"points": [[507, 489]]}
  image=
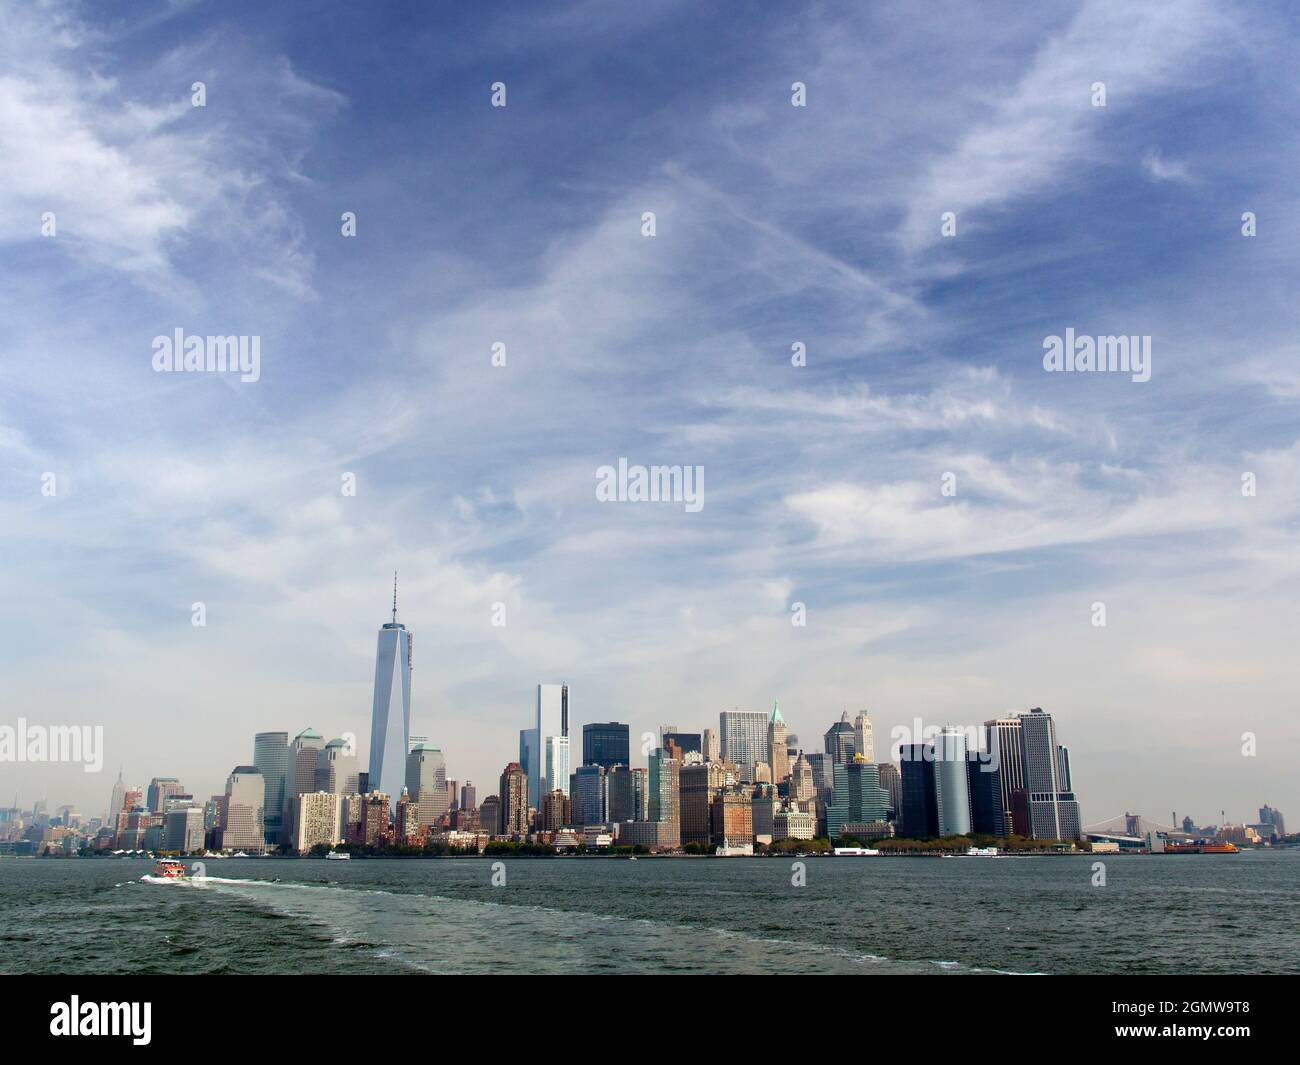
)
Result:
{"points": [[986, 813], [605, 744], [920, 811], [271, 757]]}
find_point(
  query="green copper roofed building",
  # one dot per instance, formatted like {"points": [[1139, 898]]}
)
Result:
{"points": [[776, 737]]}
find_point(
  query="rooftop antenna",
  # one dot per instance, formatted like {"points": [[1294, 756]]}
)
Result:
{"points": [[394, 597]]}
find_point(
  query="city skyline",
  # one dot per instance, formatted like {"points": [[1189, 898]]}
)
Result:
{"points": [[641, 745], [380, 433]]}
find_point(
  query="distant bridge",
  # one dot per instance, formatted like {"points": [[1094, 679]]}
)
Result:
{"points": [[1127, 824]]}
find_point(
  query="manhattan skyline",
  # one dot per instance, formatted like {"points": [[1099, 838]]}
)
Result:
{"points": [[777, 225]]}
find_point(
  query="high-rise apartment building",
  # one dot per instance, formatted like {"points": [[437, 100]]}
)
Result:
{"points": [[514, 801], [375, 828], [555, 811], [664, 786], [317, 820]]}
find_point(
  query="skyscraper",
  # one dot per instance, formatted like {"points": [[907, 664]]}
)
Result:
{"points": [[697, 786], [271, 756], [337, 769], [304, 756], [664, 786], [183, 829], [318, 820], [390, 719], [555, 811], [556, 763], [920, 813], [776, 736], [468, 796], [710, 746], [841, 743], [892, 782], [1053, 810], [951, 782], [732, 817], [744, 739], [426, 783], [116, 801], [590, 800], [160, 788], [628, 800], [1003, 742], [605, 744], [863, 743], [803, 789], [551, 719], [242, 826], [513, 801], [859, 800], [1270, 816], [986, 812]]}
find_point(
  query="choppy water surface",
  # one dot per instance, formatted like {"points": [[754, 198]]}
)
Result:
{"points": [[1158, 914]]}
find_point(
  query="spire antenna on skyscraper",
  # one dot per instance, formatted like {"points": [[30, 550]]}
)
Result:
{"points": [[394, 597]]}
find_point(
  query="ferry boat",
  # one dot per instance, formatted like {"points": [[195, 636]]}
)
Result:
{"points": [[169, 869], [338, 856], [856, 852], [1201, 848]]}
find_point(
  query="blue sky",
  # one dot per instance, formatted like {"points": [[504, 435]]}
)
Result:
{"points": [[775, 224]]}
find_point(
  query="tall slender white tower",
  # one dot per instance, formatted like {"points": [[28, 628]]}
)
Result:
{"points": [[548, 767], [390, 720]]}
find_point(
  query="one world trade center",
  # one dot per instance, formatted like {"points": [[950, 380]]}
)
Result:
{"points": [[390, 721]]}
